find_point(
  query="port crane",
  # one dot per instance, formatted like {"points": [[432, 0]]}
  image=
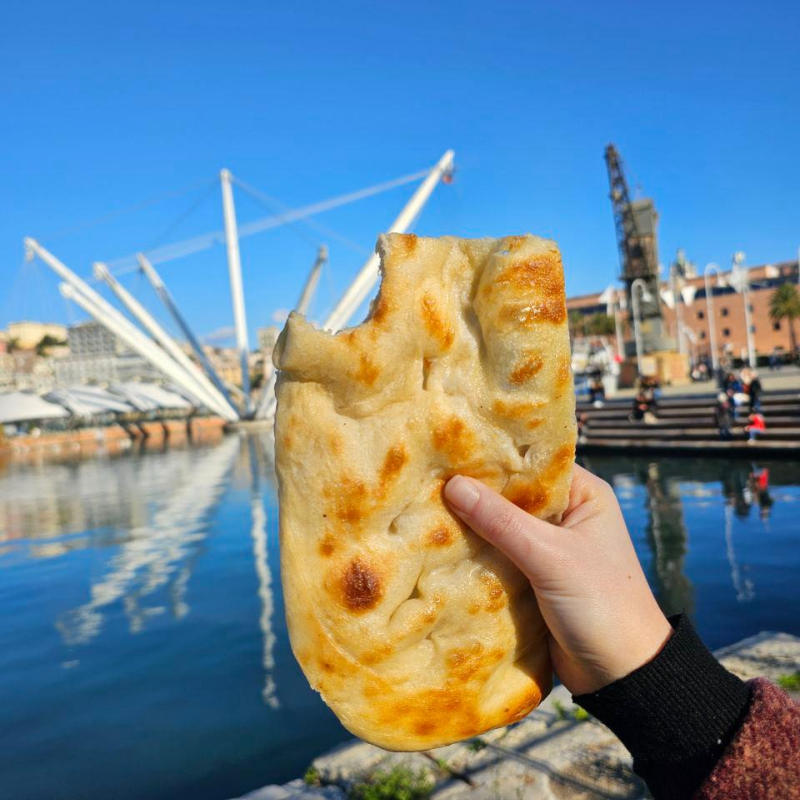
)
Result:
{"points": [[636, 222]]}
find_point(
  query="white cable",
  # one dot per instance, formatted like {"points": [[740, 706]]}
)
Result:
{"points": [[170, 252]]}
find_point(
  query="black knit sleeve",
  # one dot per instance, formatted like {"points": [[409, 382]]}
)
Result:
{"points": [[676, 714]]}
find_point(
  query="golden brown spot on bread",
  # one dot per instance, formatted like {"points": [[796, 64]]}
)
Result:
{"points": [[466, 664], [380, 653], [526, 370], [424, 727], [531, 498], [381, 310], [439, 537], [404, 243], [393, 462], [534, 497], [562, 459], [434, 324], [445, 712], [563, 372], [348, 499], [327, 546], [526, 703], [496, 596], [349, 337], [367, 371], [453, 438], [361, 586], [514, 410], [335, 443], [540, 273], [541, 310]]}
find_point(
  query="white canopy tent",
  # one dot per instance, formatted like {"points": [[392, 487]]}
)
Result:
{"points": [[87, 401], [150, 397], [23, 407]]}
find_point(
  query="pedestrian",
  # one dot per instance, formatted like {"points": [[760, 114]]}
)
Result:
{"points": [[640, 406], [694, 729], [756, 427], [723, 416], [753, 390]]}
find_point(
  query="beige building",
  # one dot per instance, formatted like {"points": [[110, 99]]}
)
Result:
{"points": [[29, 334], [728, 312]]}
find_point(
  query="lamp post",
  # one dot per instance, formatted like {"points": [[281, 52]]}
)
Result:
{"points": [[643, 294], [712, 325], [678, 310], [618, 327], [737, 264]]}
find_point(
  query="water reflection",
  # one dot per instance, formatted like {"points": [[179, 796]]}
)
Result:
{"points": [[162, 552], [668, 485], [668, 538], [262, 462]]}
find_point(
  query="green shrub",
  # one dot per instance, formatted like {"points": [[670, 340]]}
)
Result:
{"points": [[312, 776], [400, 783], [790, 682], [476, 745]]}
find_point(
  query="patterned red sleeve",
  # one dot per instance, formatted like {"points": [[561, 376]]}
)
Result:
{"points": [[762, 762]]}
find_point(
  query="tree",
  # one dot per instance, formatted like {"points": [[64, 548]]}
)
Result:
{"points": [[785, 305], [45, 342], [601, 325]]}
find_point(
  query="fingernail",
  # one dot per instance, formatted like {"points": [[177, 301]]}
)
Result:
{"points": [[462, 493]]}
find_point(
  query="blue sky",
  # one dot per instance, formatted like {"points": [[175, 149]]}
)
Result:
{"points": [[107, 105]]}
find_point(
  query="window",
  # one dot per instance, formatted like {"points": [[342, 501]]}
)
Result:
{"points": [[750, 307], [702, 334], [701, 315], [776, 326], [724, 312], [752, 329], [726, 332]]}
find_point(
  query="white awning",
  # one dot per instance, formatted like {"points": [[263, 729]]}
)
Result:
{"points": [[150, 396], [24, 407], [86, 401]]}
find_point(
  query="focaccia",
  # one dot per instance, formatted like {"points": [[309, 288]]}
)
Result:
{"points": [[415, 631]]}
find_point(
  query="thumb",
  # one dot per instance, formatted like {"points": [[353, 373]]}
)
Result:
{"points": [[519, 535]]}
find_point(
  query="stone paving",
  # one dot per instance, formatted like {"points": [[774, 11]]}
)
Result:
{"points": [[555, 753]]}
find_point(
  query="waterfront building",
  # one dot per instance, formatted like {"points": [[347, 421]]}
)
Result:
{"points": [[728, 308], [28, 334], [97, 356]]}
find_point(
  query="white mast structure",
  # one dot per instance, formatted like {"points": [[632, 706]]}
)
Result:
{"points": [[81, 293], [204, 389], [237, 295], [368, 276], [312, 280], [169, 303]]}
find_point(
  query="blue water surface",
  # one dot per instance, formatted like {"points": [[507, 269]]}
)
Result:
{"points": [[143, 647]]}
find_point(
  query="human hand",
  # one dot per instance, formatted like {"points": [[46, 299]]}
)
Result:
{"points": [[604, 621]]}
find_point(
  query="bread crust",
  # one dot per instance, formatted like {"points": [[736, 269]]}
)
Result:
{"points": [[414, 630]]}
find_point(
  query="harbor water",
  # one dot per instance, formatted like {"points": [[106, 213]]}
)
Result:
{"points": [[143, 647]]}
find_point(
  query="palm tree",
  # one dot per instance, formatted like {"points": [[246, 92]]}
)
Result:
{"points": [[785, 304]]}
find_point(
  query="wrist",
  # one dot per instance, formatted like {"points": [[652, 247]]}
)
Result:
{"points": [[675, 714]]}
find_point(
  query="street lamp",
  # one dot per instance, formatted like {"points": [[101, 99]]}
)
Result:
{"points": [[636, 299], [737, 264], [678, 310], [618, 325], [712, 325]]}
